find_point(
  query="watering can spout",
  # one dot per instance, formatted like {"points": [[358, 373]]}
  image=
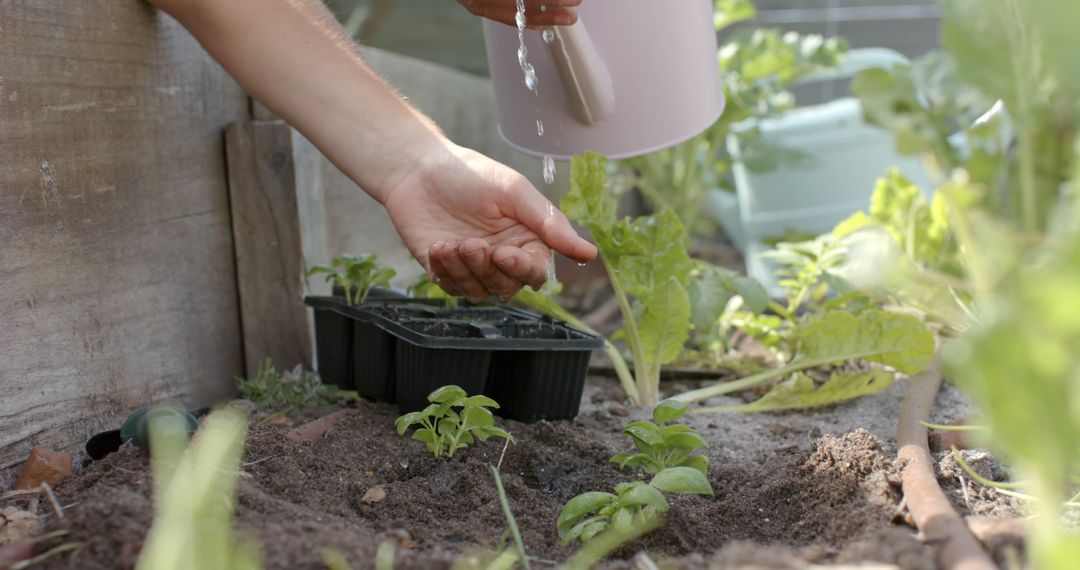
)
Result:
{"points": [[586, 80]]}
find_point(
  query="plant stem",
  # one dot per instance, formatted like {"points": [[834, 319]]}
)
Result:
{"points": [[646, 396], [510, 520]]}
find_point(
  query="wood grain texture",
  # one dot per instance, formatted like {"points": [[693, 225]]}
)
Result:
{"points": [[117, 285], [270, 223]]}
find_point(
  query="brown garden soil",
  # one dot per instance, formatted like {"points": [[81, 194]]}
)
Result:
{"points": [[792, 490]]}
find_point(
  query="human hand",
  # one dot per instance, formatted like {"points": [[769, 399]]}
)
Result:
{"points": [[479, 227], [554, 13]]}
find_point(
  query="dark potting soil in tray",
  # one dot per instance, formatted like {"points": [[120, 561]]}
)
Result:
{"points": [[787, 492]]}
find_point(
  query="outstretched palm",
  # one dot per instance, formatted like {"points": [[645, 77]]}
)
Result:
{"points": [[479, 227]]}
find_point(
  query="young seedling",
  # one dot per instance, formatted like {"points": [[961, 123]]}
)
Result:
{"points": [[632, 504], [661, 445], [272, 388], [359, 272], [453, 421]]}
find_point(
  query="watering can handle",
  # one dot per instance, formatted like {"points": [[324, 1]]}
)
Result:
{"points": [[585, 78]]}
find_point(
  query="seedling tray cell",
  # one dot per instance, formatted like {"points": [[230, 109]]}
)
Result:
{"points": [[403, 349]]}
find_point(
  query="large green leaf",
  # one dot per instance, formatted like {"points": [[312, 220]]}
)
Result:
{"points": [[647, 252], [901, 341], [666, 324], [589, 202], [799, 391]]}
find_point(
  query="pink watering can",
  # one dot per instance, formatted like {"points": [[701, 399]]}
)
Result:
{"points": [[630, 77]]}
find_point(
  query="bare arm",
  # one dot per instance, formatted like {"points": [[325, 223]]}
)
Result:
{"points": [[477, 226], [292, 56]]}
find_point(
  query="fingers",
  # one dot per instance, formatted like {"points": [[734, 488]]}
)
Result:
{"points": [[527, 265], [525, 203], [469, 269], [554, 13], [478, 257], [454, 274]]}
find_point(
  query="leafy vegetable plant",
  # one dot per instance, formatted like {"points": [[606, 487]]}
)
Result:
{"points": [[649, 268], [453, 421], [661, 444], [356, 274], [902, 342], [632, 504]]}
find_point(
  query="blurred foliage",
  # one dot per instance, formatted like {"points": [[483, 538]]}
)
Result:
{"points": [[757, 68], [296, 388]]}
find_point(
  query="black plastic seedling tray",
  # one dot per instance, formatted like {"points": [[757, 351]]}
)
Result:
{"points": [[403, 349]]}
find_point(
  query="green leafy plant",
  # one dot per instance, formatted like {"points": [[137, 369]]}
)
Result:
{"points": [[453, 421], [649, 268], [293, 389], [757, 67], [425, 288], [661, 444], [356, 274], [901, 342], [636, 503]]}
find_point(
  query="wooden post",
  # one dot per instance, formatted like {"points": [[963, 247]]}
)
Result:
{"points": [[275, 231]]}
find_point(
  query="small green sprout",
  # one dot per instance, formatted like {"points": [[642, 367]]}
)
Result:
{"points": [[453, 421], [661, 446], [297, 388], [425, 288], [360, 272], [633, 504]]}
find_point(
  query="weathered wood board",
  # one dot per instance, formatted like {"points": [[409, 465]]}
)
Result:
{"points": [[117, 283], [278, 224]]}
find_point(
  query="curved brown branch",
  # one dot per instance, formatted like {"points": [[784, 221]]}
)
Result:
{"points": [[941, 526]]}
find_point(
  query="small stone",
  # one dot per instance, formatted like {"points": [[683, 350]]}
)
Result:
{"points": [[44, 466], [369, 473], [281, 421], [18, 525], [619, 411], [315, 430], [373, 495]]}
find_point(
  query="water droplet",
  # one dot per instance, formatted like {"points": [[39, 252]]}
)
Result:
{"points": [[539, 127], [581, 264], [548, 34], [549, 169], [543, 7], [530, 77], [551, 209]]}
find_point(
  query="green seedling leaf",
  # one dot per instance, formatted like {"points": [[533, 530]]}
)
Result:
{"points": [[668, 410], [581, 506], [685, 480], [447, 394], [641, 495], [799, 391], [644, 432], [452, 421]]}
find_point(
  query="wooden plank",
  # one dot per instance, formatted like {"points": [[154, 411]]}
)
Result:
{"points": [[269, 224], [117, 285]]}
